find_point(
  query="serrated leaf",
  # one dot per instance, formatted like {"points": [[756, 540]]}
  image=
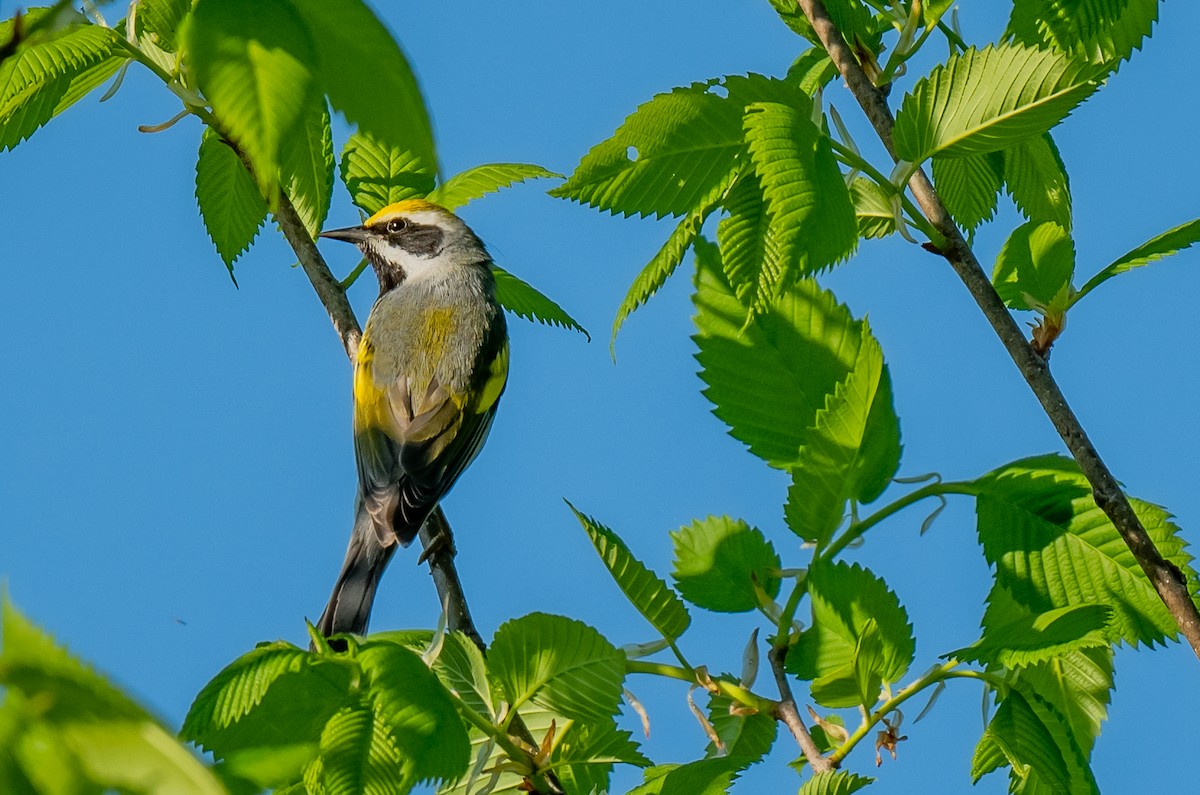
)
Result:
{"points": [[969, 187], [723, 564], [479, 181], [1103, 31], [873, 208], [41, 80], [674, 149], [161, 20], [1035, 267], [667, 260], [307, 165], [488, 774], [1017, 736], [378, 174], [358, 755], [421, 719], [1052, 547], [1170, 242], [525, 301], [851, 451], [844, 599], [558, 663], [584, 759], [836, 782], [986, 100], [812, 70], [1033, 639], [230, 205], [352, 42], [868, 664], [461, 667], [743, 733], [746, 239], [1036, 178], [652, 597], [702, 777], [810, 219], [252, 61], [769, 375]]}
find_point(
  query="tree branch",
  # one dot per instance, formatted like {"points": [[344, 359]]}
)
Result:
{"points": [[1166, 578], [790, 715]]}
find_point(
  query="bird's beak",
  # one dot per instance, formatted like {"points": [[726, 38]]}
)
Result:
{"points": [[351, 234]]}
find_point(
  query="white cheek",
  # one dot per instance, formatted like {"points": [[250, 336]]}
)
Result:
{"points": [[413, 265]]}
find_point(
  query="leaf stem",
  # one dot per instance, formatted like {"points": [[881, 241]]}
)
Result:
{"points": [[726, 688], [857, 529]]}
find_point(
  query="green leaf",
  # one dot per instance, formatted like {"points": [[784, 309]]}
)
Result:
{"points": [[747, 240], [378, 174], [1036, 178], [307, 165], [851, 451], [810, 218], [252, 63], [969, 187], [558, 663], [1052, 547], [768, 376], [1035, 268], [668, 258], [479, 181], [1103, 31], [351, 42], [674, 149], [986, 100], [1170, 242], [421, 718], [837, 782], [501, 780], [652, 597], [812, 70], [230, 205], [745, 735], [1033, 639], [724, 564], [40, 81], [873, 208], [845, 599], [855, 20], [461, 668], [272, 698], [703, 777], [868, 663], [359, 756], [524, 301], [160, 19], [584, 759], [1017, 736]]}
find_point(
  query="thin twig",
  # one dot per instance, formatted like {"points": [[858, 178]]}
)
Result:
{"points": [[1165, 576], [790, 715]]}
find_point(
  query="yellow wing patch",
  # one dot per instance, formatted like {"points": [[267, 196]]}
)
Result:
{"points": [[370, 401], [405, 207], [497, 378]]}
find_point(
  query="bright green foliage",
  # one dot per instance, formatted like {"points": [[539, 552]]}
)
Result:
{"points": [[809, 218], [1170, 242], [652, 597], [812, 70], [724, 565], [837, 782], [525, 301], [252, 63], [770, 374], [306, 167], [585, 757], [232, 208], [848, 603], [659, 269], [42, 80], [675, 149], [744, 734], [1036, 178], [160, 19], [479, 181], [1052, 547], [1033, 639], [1103, 31], [969, 186], [357, 756], [986, 100], [378, 174], [64, 728], [1035, 268], [746, 239], [351, 42], [852, 17], [557, 663], [1027, 734], [850, 452], [703, 777], [873, 208]]}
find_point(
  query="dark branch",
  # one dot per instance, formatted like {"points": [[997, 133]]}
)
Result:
{"points": [[790, 715]]}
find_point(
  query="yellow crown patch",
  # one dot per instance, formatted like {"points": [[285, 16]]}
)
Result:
{"points": [[406, 207]]}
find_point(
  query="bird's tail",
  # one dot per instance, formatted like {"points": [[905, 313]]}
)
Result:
{"points": [[349, 607]]}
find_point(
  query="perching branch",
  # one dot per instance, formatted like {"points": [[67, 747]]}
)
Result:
{"points": [[790, 715], [1167, 579]]}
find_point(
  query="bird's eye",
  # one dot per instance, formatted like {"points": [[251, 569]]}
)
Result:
{"points": [[396, 225]]}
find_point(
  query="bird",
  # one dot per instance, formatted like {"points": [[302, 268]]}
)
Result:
{"points": [[430, 369]]}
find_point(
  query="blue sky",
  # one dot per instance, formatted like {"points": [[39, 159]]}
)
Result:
{"points": [[177, 472]]}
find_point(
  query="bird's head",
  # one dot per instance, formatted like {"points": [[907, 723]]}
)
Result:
{"points": [[411, 238]]}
